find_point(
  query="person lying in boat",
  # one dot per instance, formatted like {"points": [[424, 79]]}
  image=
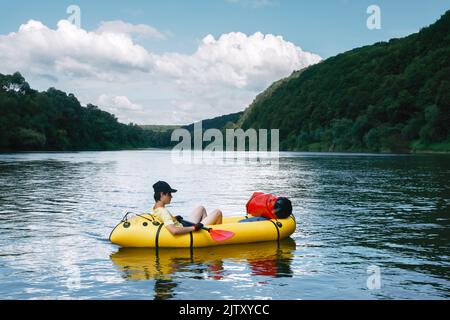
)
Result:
{"points": [[177, 225]]}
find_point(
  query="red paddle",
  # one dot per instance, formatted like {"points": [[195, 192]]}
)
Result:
{"points": [[217, 235]]}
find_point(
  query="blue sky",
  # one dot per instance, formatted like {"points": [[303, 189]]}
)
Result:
{"points": [[212, 56], [325, 27]]}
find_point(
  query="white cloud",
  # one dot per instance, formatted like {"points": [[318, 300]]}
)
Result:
{"points": [[239, 61], [118, 26], [71, 51], [117, 103], [107, 67], [120, 106]]}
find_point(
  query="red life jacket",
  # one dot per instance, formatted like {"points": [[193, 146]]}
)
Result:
{"points": [[262, 205]]}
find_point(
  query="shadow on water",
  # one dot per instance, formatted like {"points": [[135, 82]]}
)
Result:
{"points": [[165, 266]]}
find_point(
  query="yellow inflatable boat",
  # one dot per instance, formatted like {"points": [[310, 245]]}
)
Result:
{"points": [[145, 231], [271, 259]]}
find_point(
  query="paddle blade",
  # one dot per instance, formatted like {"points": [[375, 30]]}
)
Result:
{"points": [[221, 235]]}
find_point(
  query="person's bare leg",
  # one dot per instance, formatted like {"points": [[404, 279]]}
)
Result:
{"points": [[198, 214], [214, 217]]}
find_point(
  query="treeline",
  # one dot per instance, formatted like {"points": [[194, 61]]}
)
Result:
{"points": [[54, 120], [163, 134], [388, 97], [160, 135], [222, 123]]}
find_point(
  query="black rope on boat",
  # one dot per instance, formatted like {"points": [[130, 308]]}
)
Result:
{"points": [[278, 230], [151, 220], [125, 218], [157, 236]]}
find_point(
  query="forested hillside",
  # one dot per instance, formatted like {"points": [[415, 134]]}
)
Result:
{"points": [[388, 97], [54, 120]]}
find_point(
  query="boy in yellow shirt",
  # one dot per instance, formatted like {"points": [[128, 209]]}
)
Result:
{"points": [[176, 225]]}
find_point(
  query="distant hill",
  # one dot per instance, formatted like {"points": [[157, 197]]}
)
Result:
{"points": [[159, 128], [222, 122], [388, 97], [55, 121], [162, 134], [266, 94]]}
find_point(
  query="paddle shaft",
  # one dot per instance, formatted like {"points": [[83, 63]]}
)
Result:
{"points": [[217, 235], [193, 224]]}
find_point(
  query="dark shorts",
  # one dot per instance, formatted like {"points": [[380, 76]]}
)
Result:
{"points": [[186, 224]]}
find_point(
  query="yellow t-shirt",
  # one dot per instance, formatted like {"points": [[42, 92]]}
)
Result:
{"points": [[164, 216]]}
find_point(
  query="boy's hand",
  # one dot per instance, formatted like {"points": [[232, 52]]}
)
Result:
{"points": [[198, 226]]}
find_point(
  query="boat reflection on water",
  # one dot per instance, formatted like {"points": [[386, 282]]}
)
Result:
{"points": [[271, 259], [264, 259]]}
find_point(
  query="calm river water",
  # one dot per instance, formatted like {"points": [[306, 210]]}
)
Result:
{"points": [[368, 227]]}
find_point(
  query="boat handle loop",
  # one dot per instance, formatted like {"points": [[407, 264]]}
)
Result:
{"points": [[125, 218]]}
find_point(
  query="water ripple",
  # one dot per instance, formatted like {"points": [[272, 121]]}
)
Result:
{"points": [[352, 211]]}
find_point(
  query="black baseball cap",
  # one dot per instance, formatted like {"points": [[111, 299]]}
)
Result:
{"points": [[162, 186]]}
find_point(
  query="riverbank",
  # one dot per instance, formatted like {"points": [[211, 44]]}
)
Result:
{"points": [[168, 149]]}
